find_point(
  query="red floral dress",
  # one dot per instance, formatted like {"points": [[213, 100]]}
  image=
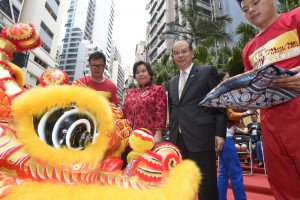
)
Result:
{"points": [[146, 107]]}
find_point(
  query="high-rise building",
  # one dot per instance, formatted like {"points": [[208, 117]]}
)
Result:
{"points": [[79, 27], [46, 16], [103, 28], [161, 12], [90, 20], [117, 71], [140, 51], [10, 12]]}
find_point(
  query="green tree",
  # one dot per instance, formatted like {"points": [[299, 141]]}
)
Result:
{"points": [[164, 70], [245, 32], [203, 52], [232, 58], [287, 5], [234, 63], [196, 27]]}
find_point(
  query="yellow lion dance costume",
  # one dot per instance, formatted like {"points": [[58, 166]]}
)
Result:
{"points": [[64, 142]]}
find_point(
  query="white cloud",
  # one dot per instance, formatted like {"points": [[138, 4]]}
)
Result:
{"points": [[129, 27]]}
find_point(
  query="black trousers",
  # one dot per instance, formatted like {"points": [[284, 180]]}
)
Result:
{"points": [[206, 161]]}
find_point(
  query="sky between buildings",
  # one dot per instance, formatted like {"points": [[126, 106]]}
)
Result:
{"points": [[130, 27]]}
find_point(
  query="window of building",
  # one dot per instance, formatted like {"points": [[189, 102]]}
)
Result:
{"points": [[63, 56], [73, 50], [74, 45], [4, 6], [40, 62], [71, 61], [71, 73], [70, 67], [77, 34], [47, 30], [16, 13], [46, 36], [49, 9], [76, 40], [45, 47], [206, 12], [72, 56], [206, 1]]}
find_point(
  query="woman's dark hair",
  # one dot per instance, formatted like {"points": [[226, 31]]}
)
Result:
{"points": [[148, 67], [97, 55], [222, 74]]}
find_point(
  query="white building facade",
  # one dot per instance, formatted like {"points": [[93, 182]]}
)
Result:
{"points": [[140, 51], [46, 16], [79, 27], [90, 20]]}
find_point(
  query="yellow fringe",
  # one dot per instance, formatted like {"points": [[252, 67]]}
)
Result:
{"points": [[181, 185], [38, 100]]}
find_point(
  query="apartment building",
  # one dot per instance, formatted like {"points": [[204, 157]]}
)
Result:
{"points": [[79, 27], [164, 11], [103, 28], [46, 16], [90, 20], [140, 51], [161, 12], [117, 71]]}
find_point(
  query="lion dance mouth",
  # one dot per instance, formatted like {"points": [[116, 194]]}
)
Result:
{"points": [[65, 142]]}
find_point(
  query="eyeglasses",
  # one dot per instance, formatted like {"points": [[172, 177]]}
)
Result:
{"points": [[183, 52], [97, 66]]}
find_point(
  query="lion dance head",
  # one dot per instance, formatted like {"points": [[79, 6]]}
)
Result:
{"points": [[64, 142]]}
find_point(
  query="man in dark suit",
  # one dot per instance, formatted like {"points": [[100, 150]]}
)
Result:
{"points": [[198, 131]]}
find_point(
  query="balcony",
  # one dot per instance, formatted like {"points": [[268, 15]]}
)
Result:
{"points": [[160, 4], [153, 17], [152, 28], [152, 6]]}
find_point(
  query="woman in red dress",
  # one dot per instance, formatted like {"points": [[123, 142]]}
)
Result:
{"points": [[146, 105]]}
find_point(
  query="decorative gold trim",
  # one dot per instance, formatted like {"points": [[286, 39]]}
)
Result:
{"points": [[19, 31], [7, 45], [3, 56], [29, 43]]}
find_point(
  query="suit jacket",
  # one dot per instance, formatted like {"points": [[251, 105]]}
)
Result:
{"points": [[199, 125]]}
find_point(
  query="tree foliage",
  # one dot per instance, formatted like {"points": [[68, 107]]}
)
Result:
{"points": [[287, 5], [196, 26], [164, 70]]}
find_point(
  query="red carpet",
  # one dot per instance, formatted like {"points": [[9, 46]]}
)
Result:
{"points": [[257, 186]]}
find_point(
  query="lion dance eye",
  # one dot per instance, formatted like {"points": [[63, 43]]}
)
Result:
{"points": [[66, 127]]}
